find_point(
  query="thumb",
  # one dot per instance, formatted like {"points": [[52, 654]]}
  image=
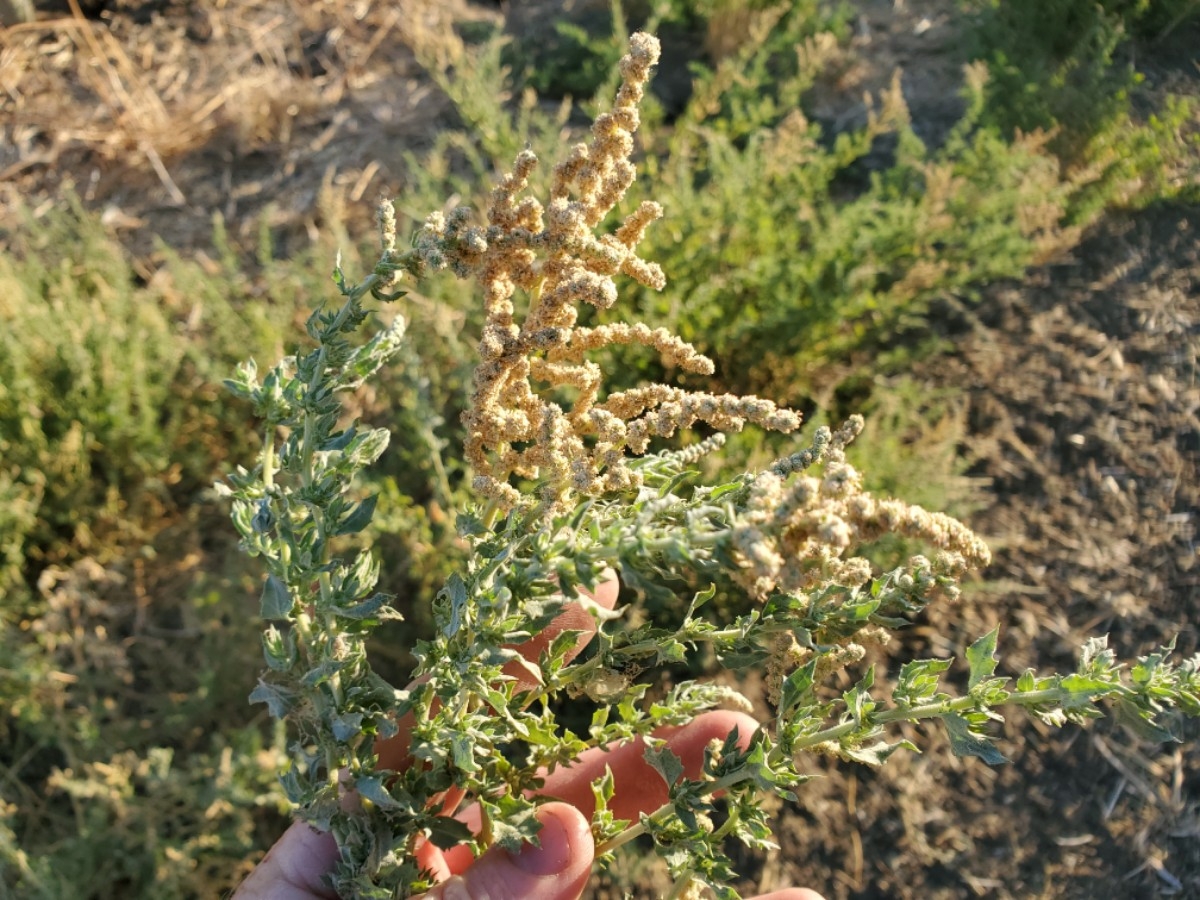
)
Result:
{"points": [[556, 870], [294, 869]]}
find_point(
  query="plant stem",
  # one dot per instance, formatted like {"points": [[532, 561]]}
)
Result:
{"points": [[638, 829], [898, 714], [927, 711], [268, 465]]}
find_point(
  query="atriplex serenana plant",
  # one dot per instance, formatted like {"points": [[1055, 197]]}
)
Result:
{"points": [[569, 492]]}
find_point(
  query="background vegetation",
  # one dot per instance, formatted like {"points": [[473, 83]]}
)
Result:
{"points": [[815, 259]]}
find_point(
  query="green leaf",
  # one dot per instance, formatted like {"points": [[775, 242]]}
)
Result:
{"points": [[295, 792], [798, 689], [276, 602], [965, 742], [701, 598], [445, 833], [553, 658], [277, 698], [346, 726], [360, 518], [664, 761], [279, 649], [722, 489], [365, 448], [462, 748], [455, 593], [981, 657], [992, 692], [339, 277], [671, 651], [468, 524], [1141, 722], [371, 787], [858, 699], [387, 296], [1096, 658], [668, 489], [603, 789], [918, 680], [360, 577], [1027, 681], [263, 518], [340, 440], [861, 610], [241, 390], [320, 674], [514, 821], [371, 608], [877, 754]]}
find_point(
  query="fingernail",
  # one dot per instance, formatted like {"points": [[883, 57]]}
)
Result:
{"points": [[552, 856]]}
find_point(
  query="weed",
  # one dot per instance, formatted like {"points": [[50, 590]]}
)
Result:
{"points": [[569, 491]]}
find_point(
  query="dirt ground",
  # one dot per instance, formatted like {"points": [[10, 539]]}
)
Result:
{"points": [[1083, 415], [1081, 380]]}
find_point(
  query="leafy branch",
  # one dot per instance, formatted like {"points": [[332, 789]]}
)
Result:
{"points": [[481, 722]]}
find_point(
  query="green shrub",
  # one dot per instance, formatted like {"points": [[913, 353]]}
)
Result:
{"points": [[140, 824], [123, 626], [790, 261], [1065, 67], [108, 411], [110, 435], [576, 57]]}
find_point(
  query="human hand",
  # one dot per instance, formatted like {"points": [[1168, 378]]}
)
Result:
{"points": [[558, 869]]}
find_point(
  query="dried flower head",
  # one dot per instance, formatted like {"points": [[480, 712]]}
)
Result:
{"points": [[793, 536], [553, 253]]}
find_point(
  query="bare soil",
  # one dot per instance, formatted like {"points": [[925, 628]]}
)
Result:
{"points": [[1083, 393], [1082, 385]]}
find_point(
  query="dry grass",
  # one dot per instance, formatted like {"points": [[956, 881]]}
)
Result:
{"points": [[147, 100], [140, 113]]}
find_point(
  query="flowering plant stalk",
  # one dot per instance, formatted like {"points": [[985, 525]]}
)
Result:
{"points": [[570, 495]]}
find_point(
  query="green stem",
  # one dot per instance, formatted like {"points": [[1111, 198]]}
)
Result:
{"points": [[306, 467], [927, 711], [730, 824], [408, 261], [268, 465], [620, 840], [638, 829]]}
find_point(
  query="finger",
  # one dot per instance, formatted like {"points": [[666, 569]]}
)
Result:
{"points": [[638, 787], [393, 753], [294, 869], [441, 864], [558, 869]]}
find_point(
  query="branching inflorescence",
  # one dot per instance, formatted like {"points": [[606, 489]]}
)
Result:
{"points": [[793, 535], [780, 544], [552, 254]]}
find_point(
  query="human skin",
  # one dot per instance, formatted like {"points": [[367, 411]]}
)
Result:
{"points": [[295, 868]]}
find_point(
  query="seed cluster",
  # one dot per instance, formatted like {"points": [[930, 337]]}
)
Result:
{"points": [[793, 534], [553, 254]]}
